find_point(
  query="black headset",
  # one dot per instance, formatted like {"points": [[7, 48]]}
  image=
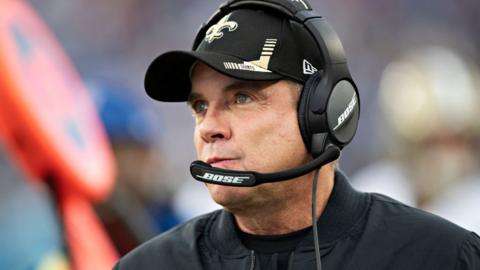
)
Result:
{"points": [[329, 107]]}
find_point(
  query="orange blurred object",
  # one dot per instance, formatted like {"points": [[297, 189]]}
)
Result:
{"points": [[49, 124], [52, 123], [89, 246]]}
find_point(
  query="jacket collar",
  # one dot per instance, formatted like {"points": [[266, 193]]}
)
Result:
{"points": [[344, 210]]}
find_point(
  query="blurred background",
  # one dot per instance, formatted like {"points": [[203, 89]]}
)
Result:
{"points": [[416, 64]]}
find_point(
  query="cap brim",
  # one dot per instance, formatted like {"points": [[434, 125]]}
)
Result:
{"points": [[168, 76]]}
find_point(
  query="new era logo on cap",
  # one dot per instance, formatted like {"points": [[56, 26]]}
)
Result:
{"points": [[308, 68]]}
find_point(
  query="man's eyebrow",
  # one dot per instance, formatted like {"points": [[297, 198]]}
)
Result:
{"points": [[236, 85], [193, 96], [249, 85]]}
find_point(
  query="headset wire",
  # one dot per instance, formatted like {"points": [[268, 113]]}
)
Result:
{"points": [[318, 258]]}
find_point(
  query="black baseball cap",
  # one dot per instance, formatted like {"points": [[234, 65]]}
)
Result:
{"points": [[245, 44]]}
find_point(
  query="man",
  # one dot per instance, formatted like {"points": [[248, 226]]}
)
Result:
{"points": [[247, 83]]}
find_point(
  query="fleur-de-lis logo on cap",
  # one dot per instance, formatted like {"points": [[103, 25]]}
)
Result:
{"points": [[215, 31]]}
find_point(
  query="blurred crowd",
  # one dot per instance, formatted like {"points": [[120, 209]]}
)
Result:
{"points": [[416, 63]]}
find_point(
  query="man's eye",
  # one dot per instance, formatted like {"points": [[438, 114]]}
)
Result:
{"points": [[200, 106], [242, 99]]}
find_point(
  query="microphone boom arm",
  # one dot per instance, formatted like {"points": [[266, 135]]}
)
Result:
{"points": [[204, 172]]}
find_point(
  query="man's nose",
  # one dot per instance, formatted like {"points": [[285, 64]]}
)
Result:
{"points": [[215, 125]]}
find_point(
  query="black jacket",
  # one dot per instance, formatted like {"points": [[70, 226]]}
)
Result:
{"points": [[356, 231]]}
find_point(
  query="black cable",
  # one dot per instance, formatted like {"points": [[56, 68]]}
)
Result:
{"points": [[318, 258]]}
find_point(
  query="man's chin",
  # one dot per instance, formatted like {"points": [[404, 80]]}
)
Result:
{"points": [[228, 196]]}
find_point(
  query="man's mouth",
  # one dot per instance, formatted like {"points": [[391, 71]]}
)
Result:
{"points": [[220, 162]]}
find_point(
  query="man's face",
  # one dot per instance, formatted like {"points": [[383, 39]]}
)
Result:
{"points": [[245, 125]]}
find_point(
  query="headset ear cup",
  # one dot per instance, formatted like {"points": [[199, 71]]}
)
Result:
{"points": [[343, 111], [303, 109]]}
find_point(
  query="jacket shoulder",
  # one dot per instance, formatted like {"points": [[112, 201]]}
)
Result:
{"points": [[389, 213], [176, 248]]}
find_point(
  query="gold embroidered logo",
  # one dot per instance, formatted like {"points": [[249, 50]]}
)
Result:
{"points": [[215, 31], [260, 65]]}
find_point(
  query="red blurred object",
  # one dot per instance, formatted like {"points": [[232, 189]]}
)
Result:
{"points": [[49, 124], [52, 121], [89, 246]]}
